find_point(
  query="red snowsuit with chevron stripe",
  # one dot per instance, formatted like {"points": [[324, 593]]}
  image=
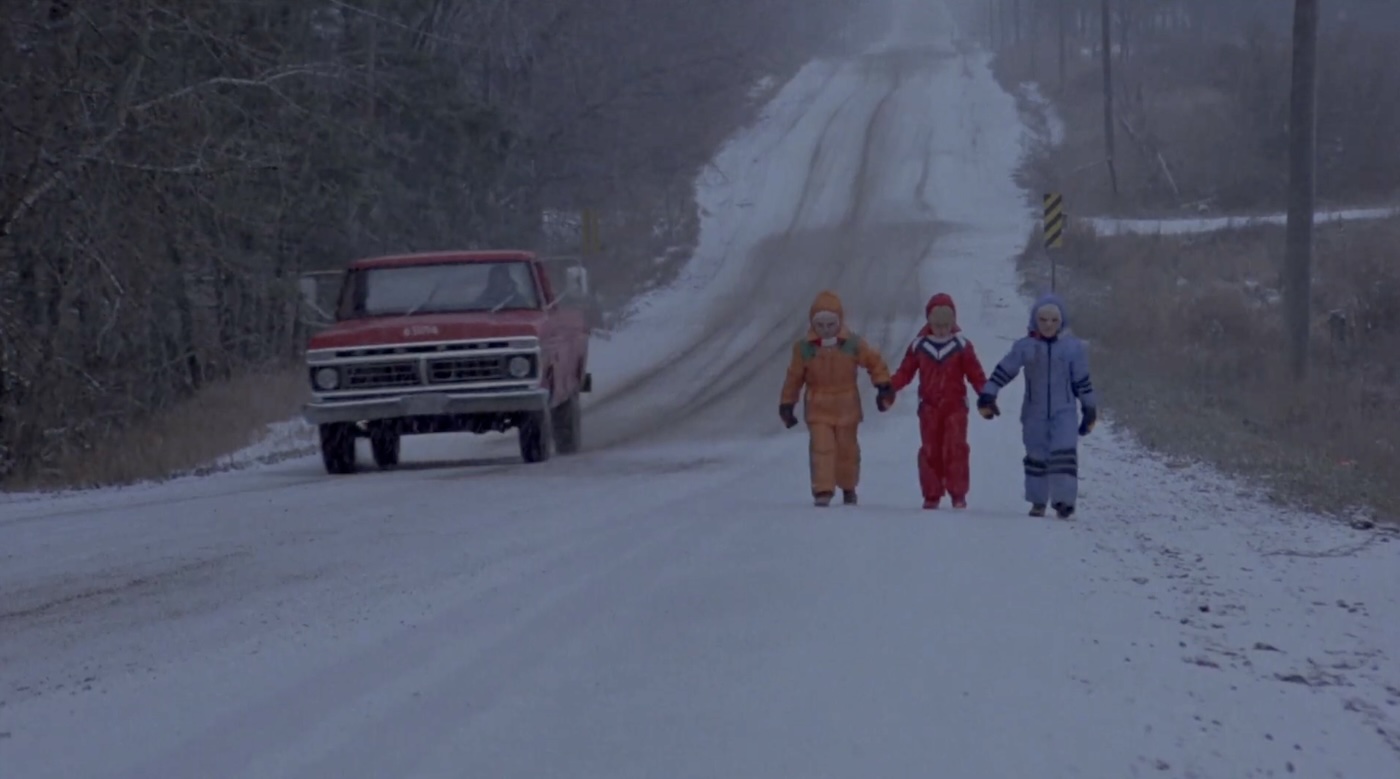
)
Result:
{"points": [[942, 367]]}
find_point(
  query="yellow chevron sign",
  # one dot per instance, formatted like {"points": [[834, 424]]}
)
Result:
{"points": [[1054, 222], [592, 235]]}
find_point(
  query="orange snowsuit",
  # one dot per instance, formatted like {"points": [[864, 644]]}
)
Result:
{"points": [[832, 399]]}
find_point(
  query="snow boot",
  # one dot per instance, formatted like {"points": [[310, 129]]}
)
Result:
{"points": [[931, 504], [959, 502], [822, 499], [848, 497], [1037, 509], [1064, 511]]}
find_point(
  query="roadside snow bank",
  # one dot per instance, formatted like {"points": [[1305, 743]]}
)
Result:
{"points": [[278, 441], [1106, 226], [736, 194]]}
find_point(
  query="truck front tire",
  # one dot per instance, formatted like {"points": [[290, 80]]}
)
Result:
{"points": [[385, 443], [338, 447], [537, 436], [568, 426]]}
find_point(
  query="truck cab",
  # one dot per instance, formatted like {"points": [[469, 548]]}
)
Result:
{"points": [[467, 341]]}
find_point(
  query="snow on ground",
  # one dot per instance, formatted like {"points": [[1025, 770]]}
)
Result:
{"points": [[739, 200], [1043, 108], [762, 87], [277, 442], [675, 607], [1193, 225]]}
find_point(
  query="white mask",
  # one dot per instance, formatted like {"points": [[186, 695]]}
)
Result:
{"points": [[1047, 320], [941, 321], [827, 325]]}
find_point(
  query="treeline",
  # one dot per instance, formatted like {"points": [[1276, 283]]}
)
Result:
{"points": [[170, 166], [1014, 21], [1201, 93]]}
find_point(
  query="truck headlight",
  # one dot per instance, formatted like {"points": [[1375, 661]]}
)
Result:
{"points": [[519, 366], [327, 379]]}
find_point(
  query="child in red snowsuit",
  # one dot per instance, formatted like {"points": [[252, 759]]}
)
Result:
{"points": [[943, 360]]}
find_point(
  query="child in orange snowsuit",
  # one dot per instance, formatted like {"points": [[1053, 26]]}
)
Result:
{"points": [[943, 359], [827, 361]]}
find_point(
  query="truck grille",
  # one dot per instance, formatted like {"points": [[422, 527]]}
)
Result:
{"points": [[455, 370], [399, 350], [382, 374]]}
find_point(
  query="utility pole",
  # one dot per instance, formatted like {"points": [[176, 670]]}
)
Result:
{"points": [[1105, 28], [1060, 12], [1302, 147], [372, 67], [992, 8]]}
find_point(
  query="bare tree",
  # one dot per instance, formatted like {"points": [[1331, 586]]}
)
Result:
{"points": [[1302, 141], [171, 167], [1105, 32]]}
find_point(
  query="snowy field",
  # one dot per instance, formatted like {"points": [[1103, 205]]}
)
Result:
{"points": [[1194, 225], [668, 603]]}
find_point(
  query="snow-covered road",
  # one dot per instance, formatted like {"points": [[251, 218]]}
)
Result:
{"points": [[668, 604]]}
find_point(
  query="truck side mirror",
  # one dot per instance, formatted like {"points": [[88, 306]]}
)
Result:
{"points": [[309, 289], [311, 285], [577, 279]]}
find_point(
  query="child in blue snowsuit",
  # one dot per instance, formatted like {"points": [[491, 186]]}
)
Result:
{"points": [[1057, 375]]}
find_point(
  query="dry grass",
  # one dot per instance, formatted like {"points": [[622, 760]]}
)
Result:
{"points": [[1188, 349], [220, 419], [1187, 330]]}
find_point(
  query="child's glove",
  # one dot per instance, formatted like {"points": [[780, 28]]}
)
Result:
{"points": [[1091, 415], [884, 397], [987, 406], [785, 414]]}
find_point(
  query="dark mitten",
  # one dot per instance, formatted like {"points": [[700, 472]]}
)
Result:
{"points": [[785, 414], [884, 397], [987, 406], [1086, 424]]}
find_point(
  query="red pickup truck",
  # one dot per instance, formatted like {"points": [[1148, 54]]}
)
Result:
{"points": [[448, 342]]}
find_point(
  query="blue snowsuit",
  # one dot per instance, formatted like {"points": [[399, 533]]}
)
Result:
{"points": [[1057, 375]]}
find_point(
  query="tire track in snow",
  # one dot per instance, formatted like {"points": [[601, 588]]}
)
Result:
{"points": [[820, 154], [68, 596], [708, 363], [458, 695], [725, 380], [863, 179], [867, 271], [499, 612], [79, 505]]}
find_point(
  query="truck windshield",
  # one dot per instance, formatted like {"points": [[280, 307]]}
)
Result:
{"points": [[438, 288]]}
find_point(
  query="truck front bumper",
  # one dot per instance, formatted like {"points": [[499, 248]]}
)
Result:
{"points": [[425, 404]]}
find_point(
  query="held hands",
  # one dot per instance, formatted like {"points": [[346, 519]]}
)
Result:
{"points": [[785, 414], [987, 406], [884, 397], [1091, 416]]}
